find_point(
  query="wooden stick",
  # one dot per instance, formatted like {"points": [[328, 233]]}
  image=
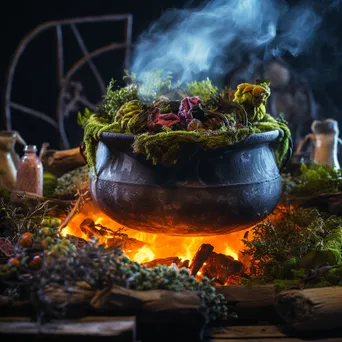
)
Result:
{"points": [[75, 209], [200, 257], [316, 309]]}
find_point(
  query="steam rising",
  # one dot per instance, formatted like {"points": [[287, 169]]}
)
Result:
{"points": [[212, 40]]}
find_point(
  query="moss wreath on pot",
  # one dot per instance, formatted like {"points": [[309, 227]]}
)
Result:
{"points": [[164, 118]]}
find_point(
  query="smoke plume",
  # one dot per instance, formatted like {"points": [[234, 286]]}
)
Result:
{"points": [[213, 39]]}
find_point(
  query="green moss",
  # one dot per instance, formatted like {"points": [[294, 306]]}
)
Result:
{"points": [[93, 130], [316, 179], [203, 89], [316, 258], [282, 285], [165, 147], [334, 275], [334, 239], [50, 183], [269, 123], [290, 265]]}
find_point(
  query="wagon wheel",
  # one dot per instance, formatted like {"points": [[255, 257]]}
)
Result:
{"points": [[72, 94]]}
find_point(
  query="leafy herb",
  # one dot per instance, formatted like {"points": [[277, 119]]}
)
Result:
{"points": [[83, 118], [203, 89], [276, 248]]}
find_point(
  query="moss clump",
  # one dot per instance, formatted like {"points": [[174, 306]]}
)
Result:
{"points": [[50, 183], [317, 257], [316, 179], [94, 128], [165, 147]]}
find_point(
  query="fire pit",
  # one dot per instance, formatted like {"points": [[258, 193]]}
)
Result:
{"points": [[209, 193]]}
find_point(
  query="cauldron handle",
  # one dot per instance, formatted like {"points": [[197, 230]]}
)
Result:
{"points": [[287, 156]]}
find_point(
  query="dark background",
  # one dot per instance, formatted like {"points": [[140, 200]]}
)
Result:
{"points": [[35, 86]]}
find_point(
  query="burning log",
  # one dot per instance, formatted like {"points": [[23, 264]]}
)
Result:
{"points": [[185, 264], [60, 162], [200, 258], [163, 261], [316, 309], [221, 267]]}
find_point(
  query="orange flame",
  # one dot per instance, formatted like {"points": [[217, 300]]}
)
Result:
{"points": [[156, 245]]}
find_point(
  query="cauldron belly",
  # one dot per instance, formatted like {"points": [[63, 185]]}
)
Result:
{"points": [[192, 211]]}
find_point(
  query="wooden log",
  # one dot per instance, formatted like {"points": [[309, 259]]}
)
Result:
{"points": [[317, 309], [200, 257], [60, 162], [161, 314], [163, 261], [118, 329], [251, 303], [330, 203], [246, 332]]}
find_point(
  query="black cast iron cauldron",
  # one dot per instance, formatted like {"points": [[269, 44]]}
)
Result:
{"points": [[204, 193]]}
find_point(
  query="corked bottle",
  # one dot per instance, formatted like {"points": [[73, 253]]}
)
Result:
{"points": [[30, 172]]}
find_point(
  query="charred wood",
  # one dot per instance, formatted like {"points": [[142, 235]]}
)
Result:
{"points": [[200, 258]]}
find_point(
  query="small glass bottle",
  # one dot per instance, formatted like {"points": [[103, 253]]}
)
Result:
{"points": [[30, 172]]}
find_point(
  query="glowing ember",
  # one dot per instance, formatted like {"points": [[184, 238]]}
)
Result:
{"points": [[144, 254], [229, 251]]}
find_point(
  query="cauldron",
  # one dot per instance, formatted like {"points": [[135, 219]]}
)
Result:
{"points": [[204, 193]]}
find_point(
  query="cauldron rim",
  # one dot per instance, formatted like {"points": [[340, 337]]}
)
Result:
{"points": [[253, 139]]}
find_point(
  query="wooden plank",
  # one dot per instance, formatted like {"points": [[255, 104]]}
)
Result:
{"points": [[249, 331], [117, 329]]}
